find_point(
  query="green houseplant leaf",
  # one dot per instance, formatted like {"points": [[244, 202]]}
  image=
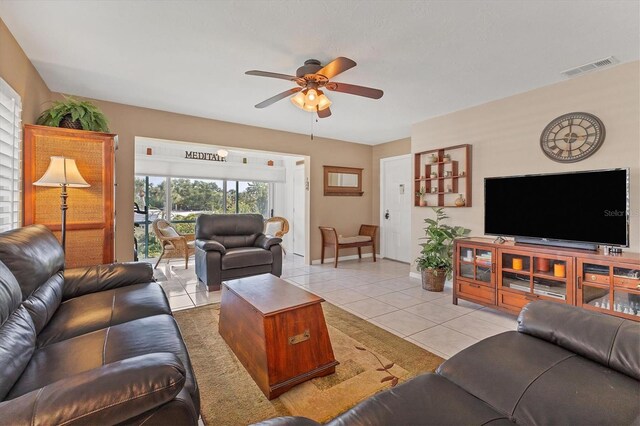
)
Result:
{"points": [[437, 250], [86, 113]]}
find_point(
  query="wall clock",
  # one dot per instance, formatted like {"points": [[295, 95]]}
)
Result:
{"points": [[572, 137]]}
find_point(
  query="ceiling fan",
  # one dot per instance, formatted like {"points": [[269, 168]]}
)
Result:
{"points": [[311, 78]]}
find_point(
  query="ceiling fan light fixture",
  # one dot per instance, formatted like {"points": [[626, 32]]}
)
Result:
{"points": [[311, 97], [298, 100], [323, 102]]}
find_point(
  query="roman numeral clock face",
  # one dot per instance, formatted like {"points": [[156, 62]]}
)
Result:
{"points": [[572, 137]]}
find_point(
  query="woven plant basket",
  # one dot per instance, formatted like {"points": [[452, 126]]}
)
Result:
{"points": [[67, 123], [432, 281]]}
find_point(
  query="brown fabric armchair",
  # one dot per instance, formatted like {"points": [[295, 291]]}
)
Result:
{"points": [[174, 245]]}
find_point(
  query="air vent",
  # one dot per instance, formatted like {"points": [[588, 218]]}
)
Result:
{"points": [[590, 67]]}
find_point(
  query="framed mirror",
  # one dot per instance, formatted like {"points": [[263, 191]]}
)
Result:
{"points": [[343, 181]]}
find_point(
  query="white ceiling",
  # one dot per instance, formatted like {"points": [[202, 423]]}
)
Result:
{"points": [[430, 57]]}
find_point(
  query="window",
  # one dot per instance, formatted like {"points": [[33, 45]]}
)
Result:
{"points": [[181, 200], [10, 158]]}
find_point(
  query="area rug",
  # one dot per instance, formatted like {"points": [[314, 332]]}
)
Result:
{"points": [[229, 396]]}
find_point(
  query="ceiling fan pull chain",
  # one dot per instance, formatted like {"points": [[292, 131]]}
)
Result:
{"points": [[311, 126]]}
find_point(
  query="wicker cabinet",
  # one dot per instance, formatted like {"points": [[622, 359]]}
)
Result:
{"points": [[90, 217]]}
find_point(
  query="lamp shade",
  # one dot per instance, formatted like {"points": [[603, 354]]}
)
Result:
{"points": [[62, 171]]}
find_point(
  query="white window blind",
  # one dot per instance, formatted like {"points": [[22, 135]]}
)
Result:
{"points": [[10, 157]]}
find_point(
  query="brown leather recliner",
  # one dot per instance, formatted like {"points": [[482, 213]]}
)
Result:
{"points": [[232, 246], [92, 345]]}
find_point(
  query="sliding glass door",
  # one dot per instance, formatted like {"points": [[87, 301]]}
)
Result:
{"points": [[181, 200]]}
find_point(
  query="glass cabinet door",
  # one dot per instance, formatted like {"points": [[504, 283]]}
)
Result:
{"points": [[476, 264], [596, 297], [484, 262], [626, 302]]}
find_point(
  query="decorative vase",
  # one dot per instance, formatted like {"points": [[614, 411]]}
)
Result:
{"points": [[422, 202], [433, 159], [434, 175], [446, 158], [460, 202], [433, 279]]}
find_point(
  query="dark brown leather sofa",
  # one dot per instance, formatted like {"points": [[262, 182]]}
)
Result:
{"points": [[564, 366], [232, 246], [94, 345]]}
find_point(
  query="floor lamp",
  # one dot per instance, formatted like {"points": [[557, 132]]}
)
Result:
{"points": [[64, 173]]}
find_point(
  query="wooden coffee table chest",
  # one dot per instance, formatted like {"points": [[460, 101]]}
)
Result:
{"points": [[277, 331]]}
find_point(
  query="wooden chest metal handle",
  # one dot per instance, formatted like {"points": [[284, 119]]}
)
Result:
{"points": [[299, 338]]}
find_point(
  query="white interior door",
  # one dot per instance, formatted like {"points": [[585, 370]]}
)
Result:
{"points": [[299, 202], [395, 207]]}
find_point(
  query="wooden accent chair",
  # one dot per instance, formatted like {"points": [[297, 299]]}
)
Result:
{"points": [[174, 245], [278, 227], [366, 237]]}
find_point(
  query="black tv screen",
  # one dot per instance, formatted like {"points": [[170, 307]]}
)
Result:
{"points": [[590, 207]]}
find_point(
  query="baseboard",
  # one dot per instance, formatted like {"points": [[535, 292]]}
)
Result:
{"points": [[341, 258]]}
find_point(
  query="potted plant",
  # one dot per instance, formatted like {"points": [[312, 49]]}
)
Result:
{"points": [[74, 114], [420, 194], [436, 257]]}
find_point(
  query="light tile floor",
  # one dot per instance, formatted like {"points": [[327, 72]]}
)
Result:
{"points": [[381, 292]]}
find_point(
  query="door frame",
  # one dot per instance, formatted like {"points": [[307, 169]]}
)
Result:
{"points": [[383, 161]]}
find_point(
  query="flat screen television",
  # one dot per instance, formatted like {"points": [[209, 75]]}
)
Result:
{"points": [[579, 209]]}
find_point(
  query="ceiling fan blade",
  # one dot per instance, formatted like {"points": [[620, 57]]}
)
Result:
{"points": [[277, 97], [352, 89], [337, 66], [324, 113], [272, 75]]}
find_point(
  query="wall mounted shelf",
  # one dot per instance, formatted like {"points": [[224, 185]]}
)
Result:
{"points": [[459, 161]]}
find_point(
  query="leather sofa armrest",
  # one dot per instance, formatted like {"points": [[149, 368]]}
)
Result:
{"points": [[265, 241], [109, 394], [92, 279], [211, 245], [288, 421]]}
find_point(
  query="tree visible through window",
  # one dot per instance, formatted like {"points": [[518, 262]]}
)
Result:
{"points": [[190, 198]]}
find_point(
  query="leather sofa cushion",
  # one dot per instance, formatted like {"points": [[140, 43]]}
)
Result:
{"points": [[246, 256], [98, 396], [499, 369], [230, 230], [428, 399], [32, 254], [10, 293], [578, 391], [17, 344], [44, 301], [591, 334], [96, 311], [57, 361], [625, 354]]}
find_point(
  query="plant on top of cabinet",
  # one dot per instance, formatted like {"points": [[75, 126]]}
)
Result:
{"points": [[74, 114]]}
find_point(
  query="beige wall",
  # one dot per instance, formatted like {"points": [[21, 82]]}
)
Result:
{"points": [[505, 135], [344, 213], [19, 72], [384, 150]]}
